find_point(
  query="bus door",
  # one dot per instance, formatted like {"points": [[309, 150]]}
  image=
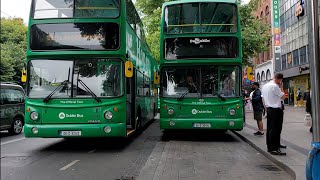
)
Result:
{"points": [[130, 83]]}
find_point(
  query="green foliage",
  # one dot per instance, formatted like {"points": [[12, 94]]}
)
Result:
{"points": [[13, 47], [151, 9], [255, 33]]}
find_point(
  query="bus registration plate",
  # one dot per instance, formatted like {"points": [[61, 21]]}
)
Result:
{"points": [[202, 125], [70, 133]]}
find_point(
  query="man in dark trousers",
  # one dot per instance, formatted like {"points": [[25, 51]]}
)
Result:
{"points": [[258, 107], [273, 95], [307, 99]]}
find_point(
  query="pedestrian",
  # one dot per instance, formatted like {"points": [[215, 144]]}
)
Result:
{"points": [[307, 99], [258, 107], [299, 95], [273, 95]]}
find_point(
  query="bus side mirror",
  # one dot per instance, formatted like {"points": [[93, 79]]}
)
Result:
{"points": [[156, 78], [128, 69], [24, 75]]}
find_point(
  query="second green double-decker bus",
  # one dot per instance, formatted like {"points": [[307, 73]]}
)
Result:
{"points": [[90, 71], [200, 65]]}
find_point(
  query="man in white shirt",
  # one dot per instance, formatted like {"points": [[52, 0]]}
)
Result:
{"points": [[273, 95]]}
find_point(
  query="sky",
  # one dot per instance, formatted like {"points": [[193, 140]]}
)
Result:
{"points": [[21, 8], [16, 8]]}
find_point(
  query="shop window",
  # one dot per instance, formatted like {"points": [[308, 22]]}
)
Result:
{"points": [[263, 76], [268, 76]]}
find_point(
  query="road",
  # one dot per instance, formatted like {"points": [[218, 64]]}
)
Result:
{"points": [[84, 159]]}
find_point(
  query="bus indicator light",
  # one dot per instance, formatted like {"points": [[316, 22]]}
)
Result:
{"points": [[116, 109], [231, 123]]}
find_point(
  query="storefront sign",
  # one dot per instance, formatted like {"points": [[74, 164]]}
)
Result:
{"points": [[276, 30], [300, 9]]}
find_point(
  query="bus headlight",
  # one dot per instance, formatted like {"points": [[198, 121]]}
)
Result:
{"points": [[35, 130], [108, 115], [34, 115], [107, 129], [170, 111], [232, 112]]}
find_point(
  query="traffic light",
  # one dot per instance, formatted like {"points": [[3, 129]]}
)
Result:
{"points": [[250, 73], [24, 75]]}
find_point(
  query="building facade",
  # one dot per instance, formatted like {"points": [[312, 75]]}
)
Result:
{"points": [[294, 61], [263, 63]]}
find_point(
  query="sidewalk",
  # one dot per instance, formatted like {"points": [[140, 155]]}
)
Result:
{"points": [[295, 135]]}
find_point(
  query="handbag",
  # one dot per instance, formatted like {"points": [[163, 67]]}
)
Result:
{"points": [[307, 120]]}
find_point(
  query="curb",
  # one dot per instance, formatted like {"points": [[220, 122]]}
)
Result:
{"points": [[286, 168]]}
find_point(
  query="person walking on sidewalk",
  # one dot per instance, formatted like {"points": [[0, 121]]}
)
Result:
{"points": [[273, 95], [258, 107]]}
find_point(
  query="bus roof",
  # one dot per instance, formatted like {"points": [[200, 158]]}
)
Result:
{"points": [[199, 1]]}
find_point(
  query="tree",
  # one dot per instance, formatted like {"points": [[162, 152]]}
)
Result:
{"points": [[13, 42], [255, 33], [151, 19]]}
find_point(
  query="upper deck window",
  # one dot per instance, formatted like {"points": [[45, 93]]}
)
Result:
{"points": [[200, 18], [46, 9], [201, 47], [76, 36]]}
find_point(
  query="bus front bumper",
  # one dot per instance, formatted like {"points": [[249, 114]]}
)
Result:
{"points": [[74, 130], [219, 124]]}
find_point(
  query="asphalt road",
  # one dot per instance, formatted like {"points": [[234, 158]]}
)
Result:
{"points": [[91, 159]]}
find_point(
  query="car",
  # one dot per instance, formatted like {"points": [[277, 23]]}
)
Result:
{"points": [[11, 108]]}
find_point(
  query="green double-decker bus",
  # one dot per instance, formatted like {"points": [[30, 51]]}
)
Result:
{"points": [[201, 65], [90, 72]]}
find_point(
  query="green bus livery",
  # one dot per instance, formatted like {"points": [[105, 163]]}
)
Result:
{"points": [[90, 72], [201, 65]]}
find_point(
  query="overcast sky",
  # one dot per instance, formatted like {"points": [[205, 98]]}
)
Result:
{"points": [[21, 8], [16, 8]]}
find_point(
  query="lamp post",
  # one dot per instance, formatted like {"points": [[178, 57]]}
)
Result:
{"points": [[313, 161]]}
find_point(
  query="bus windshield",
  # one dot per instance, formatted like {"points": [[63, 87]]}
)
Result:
{"points": [[200, 18], [204, 81], [102, 76], [45, 9], [201, 47]]}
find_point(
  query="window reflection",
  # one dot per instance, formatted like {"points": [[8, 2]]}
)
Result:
{"points": [[200, 81], [102, 76]]}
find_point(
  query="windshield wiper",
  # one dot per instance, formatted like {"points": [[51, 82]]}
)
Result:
{"points": [[183, 95], [222, 98], [64, 83], [89, 90]]}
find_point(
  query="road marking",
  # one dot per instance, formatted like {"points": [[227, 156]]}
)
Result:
{"points": [[15, 140], [69, 165], [92, 151]]}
